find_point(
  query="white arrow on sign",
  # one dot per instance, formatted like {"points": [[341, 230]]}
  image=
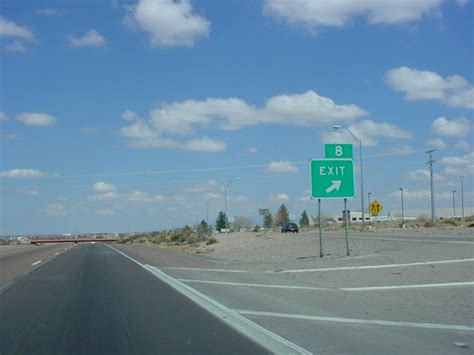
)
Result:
{"points": [[336, 185]]}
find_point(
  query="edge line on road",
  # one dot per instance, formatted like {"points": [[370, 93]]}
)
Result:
{"points": [[256, 285], [215, 270], [357, 321], [365, 267], [262, 336], [375, 288], [36, 262], [350, 289]]}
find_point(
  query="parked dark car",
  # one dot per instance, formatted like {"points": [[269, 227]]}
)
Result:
{"points": [[289, 227]]}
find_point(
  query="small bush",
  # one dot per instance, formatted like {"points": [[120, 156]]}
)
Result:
{"points": [[451, 222], [429, 224], [211, 241], [471, 225]]}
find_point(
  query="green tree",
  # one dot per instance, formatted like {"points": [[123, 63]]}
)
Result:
{"points": [[268, 221], [282, 217], [221, 221], [304, 220]]}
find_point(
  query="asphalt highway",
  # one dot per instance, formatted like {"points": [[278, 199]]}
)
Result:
{"points": [[92, 300]]}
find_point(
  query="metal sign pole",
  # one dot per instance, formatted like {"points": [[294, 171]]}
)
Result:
{"points": [[320, 229], [347, 226]]}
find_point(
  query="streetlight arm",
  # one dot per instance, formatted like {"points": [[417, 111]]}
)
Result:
{"points": [[353, 135]]}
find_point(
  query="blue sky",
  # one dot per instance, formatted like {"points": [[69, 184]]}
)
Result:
{"points": [[132, 115]]}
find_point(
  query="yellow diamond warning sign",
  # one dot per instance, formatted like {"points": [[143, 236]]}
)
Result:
{"points": [[375, 207]]}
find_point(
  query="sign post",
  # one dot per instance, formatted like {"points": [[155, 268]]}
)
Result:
{"points": [[320, 229], [333, 178], [346, 219]]}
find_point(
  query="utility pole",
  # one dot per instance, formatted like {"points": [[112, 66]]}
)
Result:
{"points": [[454, 203], [403, 211], [207, 211], [431, 161], [462, 196], [370, 193]]}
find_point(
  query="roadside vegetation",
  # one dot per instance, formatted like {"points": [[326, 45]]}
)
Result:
{"points": [[196, 237]]}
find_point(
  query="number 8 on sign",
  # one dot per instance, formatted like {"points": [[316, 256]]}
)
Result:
{"points": [[338, 151]]}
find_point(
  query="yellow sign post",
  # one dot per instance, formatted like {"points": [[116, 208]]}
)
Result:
{"points": [[375, 207]]}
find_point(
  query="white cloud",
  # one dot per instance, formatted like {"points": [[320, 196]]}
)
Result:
{"points": [[312, 14], [22, 173], [3, 116], [105, 212], [463, 145], [252, 150], [183, 118], [467, 159], [31, 192], [107, 196], [466, 171], [210, 196], [206, 186], [204, 145], [168, 22], [9, 136], [305, 199], [16, 47], [436, 143], [139, 196], [280, 198], [47, 12], [366, 131], [36, 119], [103, 187], [129, 115], [419, 195], [56, 210], [424, 175], [11, 29], [91, 38], [453, 90], [281, 166], [455, 128]]}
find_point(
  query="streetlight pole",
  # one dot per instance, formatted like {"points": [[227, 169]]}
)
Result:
{"points": [[225, 202], [462, 196], [403, 211], [431, 161], [454, 203], [361, 171]]}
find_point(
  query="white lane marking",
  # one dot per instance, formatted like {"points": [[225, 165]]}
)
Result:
{"points": [[255, 285], [56, 253], [216, 270], [365, 267], [357, 321], [36, 262], [405, 239], [262, 336], [369, 288], [375, 288]]}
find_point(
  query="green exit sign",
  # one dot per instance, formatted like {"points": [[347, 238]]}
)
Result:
{"points": [[338, 151], [332, 178]]}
